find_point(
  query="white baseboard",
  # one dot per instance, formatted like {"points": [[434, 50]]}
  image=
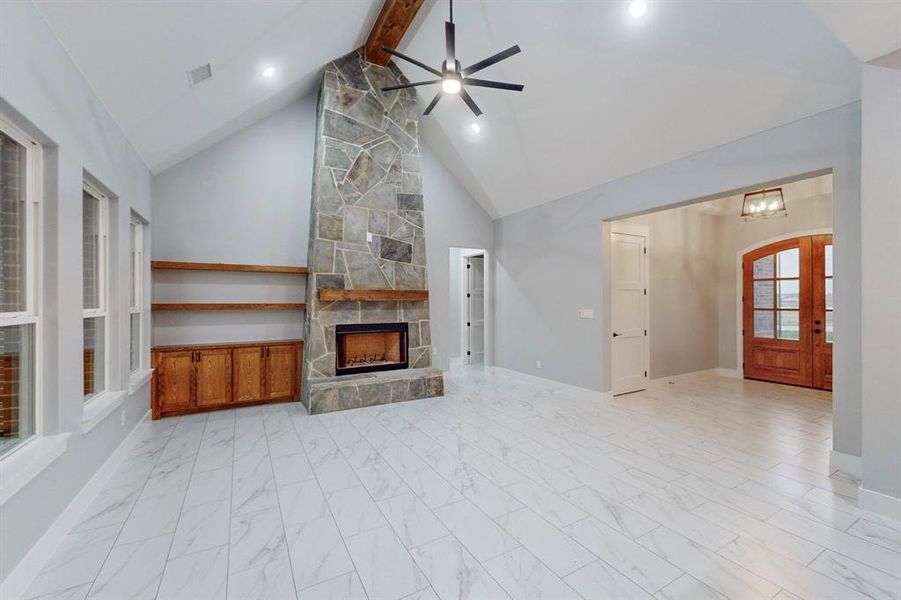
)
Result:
{"points": [[539, 379], [18, 581], [718, 371], [878, 502], [846, 463], [734, 373]]}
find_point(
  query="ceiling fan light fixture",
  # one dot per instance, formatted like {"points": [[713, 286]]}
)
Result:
{"points": [[453, 79], [451, 85]]}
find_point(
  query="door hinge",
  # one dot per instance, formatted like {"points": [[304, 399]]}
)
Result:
{"points": [[468, 353], [645, 291], [645, 250], [645, 331], [467, 295], [468, 324], [645, 373], [468, 266]]}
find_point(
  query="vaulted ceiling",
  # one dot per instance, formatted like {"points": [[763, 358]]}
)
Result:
{"points": [[606, 95], [135, 55]]}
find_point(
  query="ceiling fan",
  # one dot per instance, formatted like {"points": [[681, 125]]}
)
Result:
{"points": [[453, 79]]}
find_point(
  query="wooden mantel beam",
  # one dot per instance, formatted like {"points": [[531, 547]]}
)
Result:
{"points": [[389, 28]]}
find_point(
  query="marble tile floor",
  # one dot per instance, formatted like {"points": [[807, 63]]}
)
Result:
{"points": [[701, 487]]}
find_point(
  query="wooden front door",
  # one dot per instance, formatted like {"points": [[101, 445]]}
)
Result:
{"points": [[787, 336], [821, 273]]}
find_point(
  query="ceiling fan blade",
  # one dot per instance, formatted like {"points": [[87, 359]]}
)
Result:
{"points": [[413, 61], [500, 85], [470, 102], [491, 60], [434, 101], [409, 85], [449, 44]]}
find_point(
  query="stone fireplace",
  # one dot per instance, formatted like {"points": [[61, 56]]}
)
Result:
{"points": [[368, 332], [370, 347]]}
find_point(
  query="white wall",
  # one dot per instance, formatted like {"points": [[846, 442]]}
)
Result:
{"points": [[247, 200], [244, 200], [455, 305], [881, 234], [452, 219], [44, 92], [549, 259], [682, 277]]}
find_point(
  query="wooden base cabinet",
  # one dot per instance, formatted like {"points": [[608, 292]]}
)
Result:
{"points": [[190, 379]]}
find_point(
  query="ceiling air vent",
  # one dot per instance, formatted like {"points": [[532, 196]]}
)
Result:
{"points": [[199, 74]]}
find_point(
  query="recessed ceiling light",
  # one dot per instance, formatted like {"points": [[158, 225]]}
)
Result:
{"points": [[638, 8], [476, 128], [451, 86], [268, 71]]}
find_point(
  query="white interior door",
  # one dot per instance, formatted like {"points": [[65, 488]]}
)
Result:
{"points": [[630, 313], [475, 310]]}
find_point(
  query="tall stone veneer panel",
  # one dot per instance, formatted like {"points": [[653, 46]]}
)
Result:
{"points": [[366, 232]]}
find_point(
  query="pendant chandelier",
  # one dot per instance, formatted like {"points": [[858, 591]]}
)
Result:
{"points": [[764, 204]]}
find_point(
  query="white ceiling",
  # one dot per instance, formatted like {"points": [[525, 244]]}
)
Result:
{"points": [[135, 54], [606, 96], [870, 28], [793, 192]]}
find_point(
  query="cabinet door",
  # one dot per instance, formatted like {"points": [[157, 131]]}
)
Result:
{"points": [[281, 367], [174, 380], [249, 375], [214, 377]]}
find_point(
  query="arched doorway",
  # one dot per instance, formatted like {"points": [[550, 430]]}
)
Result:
{"points": [[787, 312]]}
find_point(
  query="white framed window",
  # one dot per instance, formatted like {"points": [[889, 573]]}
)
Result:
{"points": [[95, 282], [20, 193], [136, 305]]}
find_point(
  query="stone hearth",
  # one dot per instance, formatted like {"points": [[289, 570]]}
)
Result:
{"points": [[366, 232]]}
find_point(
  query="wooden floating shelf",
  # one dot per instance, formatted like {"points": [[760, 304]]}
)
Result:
{"points": [[342, 295], [229, 306], [171, 265]]}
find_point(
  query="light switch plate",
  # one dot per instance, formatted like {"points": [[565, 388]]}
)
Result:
{"points": [[586, 313]]}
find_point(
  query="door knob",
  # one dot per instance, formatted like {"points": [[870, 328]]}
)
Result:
{"points": [[616, 334]]}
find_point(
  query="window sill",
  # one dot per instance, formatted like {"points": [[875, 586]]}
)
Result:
{"points": [[25, 463], [97, 409], [138, 380]]}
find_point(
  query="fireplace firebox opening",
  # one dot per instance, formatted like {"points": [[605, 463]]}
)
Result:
{"points": [[370, 347]]}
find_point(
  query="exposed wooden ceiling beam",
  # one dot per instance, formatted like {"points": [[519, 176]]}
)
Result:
{"points": [[389, 28]]}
